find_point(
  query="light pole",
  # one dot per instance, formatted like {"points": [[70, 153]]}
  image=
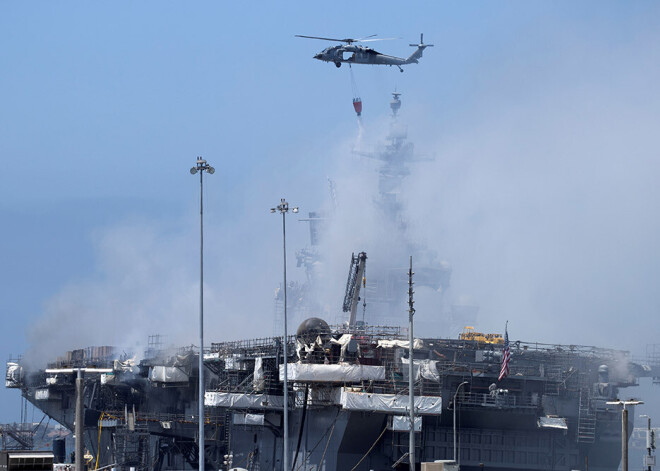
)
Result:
{"points": [[455, 396], [201, 167], [624, 429], [411, 369], [80, 411], [283, 208]]}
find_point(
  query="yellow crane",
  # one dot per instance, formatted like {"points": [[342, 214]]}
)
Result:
{"points": [[469, 334]]}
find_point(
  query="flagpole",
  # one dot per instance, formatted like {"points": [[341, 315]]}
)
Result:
{"points": [[506, 354]]}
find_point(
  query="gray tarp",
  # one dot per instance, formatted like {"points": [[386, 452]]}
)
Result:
{"points": [[248, 419], [424, 405], [13, 377], [167, 374], [243, 401], [552, 422], [332, 373], [426, 368], [417, 343], [258, 381], [401, 423]]}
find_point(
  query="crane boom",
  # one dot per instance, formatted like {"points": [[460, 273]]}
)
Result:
{"points": [[352, 295]]}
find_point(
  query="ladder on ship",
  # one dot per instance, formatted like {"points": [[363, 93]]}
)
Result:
{"points": [[586, 432]]}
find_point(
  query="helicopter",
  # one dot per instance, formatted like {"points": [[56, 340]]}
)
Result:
{"points": [[364, 54]]}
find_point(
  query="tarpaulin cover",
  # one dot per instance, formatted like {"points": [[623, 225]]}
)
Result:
{"points": [[427, 369], [417, 343], [13, 378], [167, 374], [243, 401], [248, 419], [401, 423], [344, 340], [258, 381], [126, 365], [424, 405], [108, 378], [332, 373], [552, 422]]}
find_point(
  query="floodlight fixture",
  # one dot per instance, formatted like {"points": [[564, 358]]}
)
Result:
{"points": [[630, 402]]}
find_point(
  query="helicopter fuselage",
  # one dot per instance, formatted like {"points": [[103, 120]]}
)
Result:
{"points": [[359, 55]]}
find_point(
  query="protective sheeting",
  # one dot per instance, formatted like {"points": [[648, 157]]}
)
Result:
{"points": [[14, 375], [167, 374], [243, 401], [46, 394], [236, 362], [126, 365], [258, 380], [401, 423], [426, 369], [417, 343], [552, 422], [332, 373], [304, 349], [344, 341], [249, 419], [393, 404], [108, 378]]}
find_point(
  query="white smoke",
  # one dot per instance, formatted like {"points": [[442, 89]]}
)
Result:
{"points": [[143, 284], [542, 197]]}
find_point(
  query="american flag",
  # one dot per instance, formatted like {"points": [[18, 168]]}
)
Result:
{"points": [[506, 356]]}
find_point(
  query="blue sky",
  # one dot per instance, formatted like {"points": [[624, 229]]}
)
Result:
{"points": [[541, 118]]}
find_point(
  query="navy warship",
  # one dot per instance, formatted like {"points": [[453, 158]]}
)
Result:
{"points": [[349, 387]]}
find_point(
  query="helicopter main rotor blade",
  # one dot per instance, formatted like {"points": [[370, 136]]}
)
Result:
{"points": [[377, 39], [348, 40], [345, 40]]}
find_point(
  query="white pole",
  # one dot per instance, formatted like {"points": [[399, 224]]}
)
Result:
{"points": [[80, 439], [283, 208], [201, 167], [286, 382], [411, 379], [200, 398]]}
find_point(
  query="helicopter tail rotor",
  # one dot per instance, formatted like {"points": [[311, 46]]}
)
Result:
{"points": [[414, 57], [421, 42]]}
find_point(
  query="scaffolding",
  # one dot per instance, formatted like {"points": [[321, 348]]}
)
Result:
{"points": [[18, 436]]}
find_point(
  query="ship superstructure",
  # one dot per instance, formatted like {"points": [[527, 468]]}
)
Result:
{"points": [[392, 160], [349, 399]]}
